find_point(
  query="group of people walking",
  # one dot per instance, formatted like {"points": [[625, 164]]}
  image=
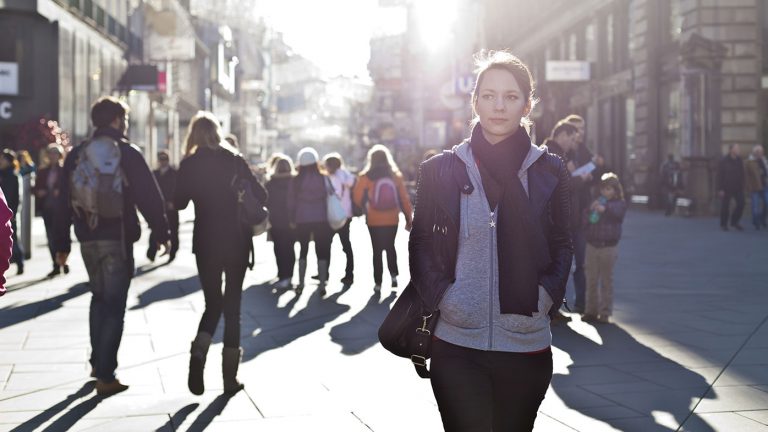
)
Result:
{"points": [[735, 176], [298, 208]]}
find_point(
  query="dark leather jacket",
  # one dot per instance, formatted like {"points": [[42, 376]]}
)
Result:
{"points": [[433, 243]]}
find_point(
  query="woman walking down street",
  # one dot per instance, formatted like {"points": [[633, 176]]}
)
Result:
{"points": [[380, 189], [219, 243], [47, 194], [491, 251], [281, 232], [343, 181], [9, 182], [307, 207]]}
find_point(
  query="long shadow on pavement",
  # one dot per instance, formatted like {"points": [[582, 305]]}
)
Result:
{"points": [[72, 416], [51, 412], [12, 315], [168, 290], [624, 383], [275, 325], [177, 419], [205, 418], [361, 331]]}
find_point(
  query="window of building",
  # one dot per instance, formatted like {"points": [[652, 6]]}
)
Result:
{"points": [[675, 20], [670, 119], [609, 44], [590, 41], [764, 19], [573, 47]]}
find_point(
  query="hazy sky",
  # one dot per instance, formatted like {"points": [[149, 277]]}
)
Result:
{"points": [[334, 34]]}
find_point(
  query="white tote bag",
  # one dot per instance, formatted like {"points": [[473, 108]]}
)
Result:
{"points": [[337, 216]]}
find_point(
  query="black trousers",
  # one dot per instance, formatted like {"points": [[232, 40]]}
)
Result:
{"points": [[210, 270], [283, 240], [321, 232], [48, 222], [383, 239], [725, 205], [480, 391], [346, 246], [173, 226]]}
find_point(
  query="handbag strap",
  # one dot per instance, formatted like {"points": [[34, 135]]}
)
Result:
{"points": [[421, 348]]}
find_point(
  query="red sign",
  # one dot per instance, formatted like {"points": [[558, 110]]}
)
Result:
{"points": [[162, 82]]}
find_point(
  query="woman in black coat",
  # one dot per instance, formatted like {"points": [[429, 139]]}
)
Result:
{"points": [[219, 242], [283, 235], [490, 250]]}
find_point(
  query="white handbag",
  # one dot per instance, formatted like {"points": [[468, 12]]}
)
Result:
{"points": [[337, 216]]}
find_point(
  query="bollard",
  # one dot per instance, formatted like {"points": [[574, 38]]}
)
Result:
{"points": [[25, 236]]}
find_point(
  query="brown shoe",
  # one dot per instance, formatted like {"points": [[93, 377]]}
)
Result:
{"points": [[560, 318], [109, 388]]}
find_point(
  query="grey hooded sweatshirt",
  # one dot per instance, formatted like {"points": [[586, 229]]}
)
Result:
{"points": [[469, 311]]}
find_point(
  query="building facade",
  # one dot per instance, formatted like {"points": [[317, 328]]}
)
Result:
{"points": [[666, 77], [57, 57]]}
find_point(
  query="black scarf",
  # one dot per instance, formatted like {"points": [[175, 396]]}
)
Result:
{"points": [[499, 164]]}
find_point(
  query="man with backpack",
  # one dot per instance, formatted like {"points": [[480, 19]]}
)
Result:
{"points": [[104, 180]]}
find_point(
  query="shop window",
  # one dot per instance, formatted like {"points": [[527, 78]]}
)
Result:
{"points": [[670, 119]]}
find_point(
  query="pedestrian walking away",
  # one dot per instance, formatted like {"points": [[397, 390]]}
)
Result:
{"points": [[581, 157], [6, 240], [671, 183], [281, 232], [47, 191], [308, 213], [381, 191], [343, 181], [165, 175], [219, 242], [603, 225], [103, 181], [756, 177], [495, 198], [9, 182], [730, 187]]}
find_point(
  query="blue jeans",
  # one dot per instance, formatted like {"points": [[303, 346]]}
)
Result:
{"points": [[759, 207], [110, 270]]}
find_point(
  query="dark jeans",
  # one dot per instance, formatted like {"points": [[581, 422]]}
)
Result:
{"points": [[579, 237], [210, 270], [759, 208], [110, 270], [48, 221], [321, 232], [383, 239], [738, 197], [346, 246], [173, 225], [480, 391], [670, 200], [283, 240]]}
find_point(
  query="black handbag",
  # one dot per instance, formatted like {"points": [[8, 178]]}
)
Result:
{"points": [[250, 210], [408, 329]]}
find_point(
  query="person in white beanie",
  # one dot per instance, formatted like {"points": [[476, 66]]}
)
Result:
{"points": [[307, 209]]}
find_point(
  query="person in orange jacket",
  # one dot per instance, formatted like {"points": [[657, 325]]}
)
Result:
{"points": [[380, 190]]}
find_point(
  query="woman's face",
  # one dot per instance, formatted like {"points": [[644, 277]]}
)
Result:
{"points": [[500, 105]]}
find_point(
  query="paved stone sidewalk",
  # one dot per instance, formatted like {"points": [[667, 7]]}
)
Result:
{"points": [[689, 345]]}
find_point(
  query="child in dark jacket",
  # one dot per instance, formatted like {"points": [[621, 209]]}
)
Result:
{"points": [[603, 228]]}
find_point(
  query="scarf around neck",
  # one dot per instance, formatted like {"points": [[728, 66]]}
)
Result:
{"points": [[499, 165]]}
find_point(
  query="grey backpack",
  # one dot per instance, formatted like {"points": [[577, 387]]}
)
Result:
{"points": [[97, 181]]}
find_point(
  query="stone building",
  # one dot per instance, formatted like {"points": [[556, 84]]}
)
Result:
{"points": [[680, 77]]}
